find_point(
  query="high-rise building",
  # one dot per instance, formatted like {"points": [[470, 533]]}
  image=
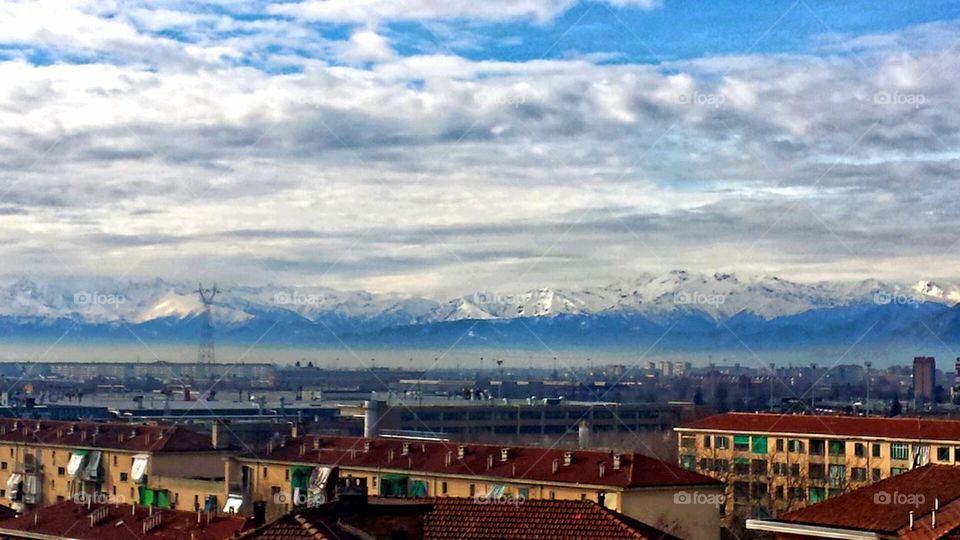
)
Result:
{"points": [[924, 378]]}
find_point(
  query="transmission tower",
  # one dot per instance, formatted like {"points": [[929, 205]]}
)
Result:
{"points": [[205, 352]]}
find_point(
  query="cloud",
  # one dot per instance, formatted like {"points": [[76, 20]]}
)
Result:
{"points": [[369, 167], [366, 46]]}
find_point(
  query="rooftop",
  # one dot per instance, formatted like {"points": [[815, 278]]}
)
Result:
{"points": [[466, 519], [592, 467], [839, 426], [884, 507], [119, 522], [103, 435]]}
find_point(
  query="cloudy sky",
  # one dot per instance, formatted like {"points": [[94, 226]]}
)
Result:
{"points": [[439, 147]]}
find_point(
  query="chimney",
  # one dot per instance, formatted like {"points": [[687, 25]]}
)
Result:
{"points": [[461, 451], [504, 454], [567, 459], [603, 469], [405, 449], [449, 459], [911, 520], [556, 466], [390, 455], [583, 435], [294, 430], [617, 460], [489, 461], [316, 443], [366, 447], [370, 419], [218, 439]]}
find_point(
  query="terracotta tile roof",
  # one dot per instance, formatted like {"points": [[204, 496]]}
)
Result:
{"points": [[104, 435], [892, 428], [484, 460], [885, 506], [71, 520], [534, 519], [466, 519]]}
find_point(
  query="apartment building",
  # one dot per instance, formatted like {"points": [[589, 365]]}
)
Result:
{"points": [[45, 462], [775, 463], [296, 471], [919, 505]]}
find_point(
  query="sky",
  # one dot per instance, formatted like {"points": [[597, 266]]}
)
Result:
{"points": [[441, 147]]}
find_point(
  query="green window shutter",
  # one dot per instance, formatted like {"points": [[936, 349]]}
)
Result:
{"points": [[418, 488], [816, 495], [741, 440], [741, 461], [163, 498], [759, 445]]}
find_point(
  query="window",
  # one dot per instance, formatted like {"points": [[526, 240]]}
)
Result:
{"points": [[123, 477], [943, 453], [837, 448], [795, 493], [759, 445], [876, 449], [721, 465], [875, 474], [722, 443], [758, 466], [897, 470], [3, 465], [956, 454], [706, 464], [816, 447], [794, 469], [859, 450], [816, 495], [553, 495], [114, 490], [286, 474], [779, 445], [61, 471], [794, 445], [838, 475], [264, 472], [816, 471], [899, 451], [706, 441], [834, 492], [858, 474], [443, 488], [688, 441], [779, 493], [687, 462], [473, 490], [780, 468], [53, 483], [741, 466], [741, 442], [583, 496]]}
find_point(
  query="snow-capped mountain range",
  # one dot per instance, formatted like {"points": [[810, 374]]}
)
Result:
{"points": [[696, 308], [719, 296]]}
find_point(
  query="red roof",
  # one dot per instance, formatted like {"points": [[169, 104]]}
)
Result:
{"points": [[534, 519], [485, 460], [106, 435], [886, 505], [466, 519], [840, 426], [71, 520]]}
